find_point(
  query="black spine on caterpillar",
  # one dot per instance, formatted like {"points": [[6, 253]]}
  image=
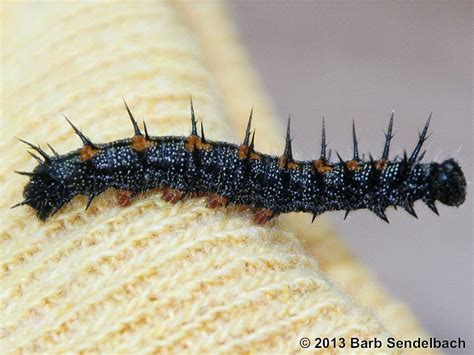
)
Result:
{"points": [[243, 176]]}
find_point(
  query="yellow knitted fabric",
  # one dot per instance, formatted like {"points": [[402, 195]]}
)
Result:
{"points": [[152, 276]]}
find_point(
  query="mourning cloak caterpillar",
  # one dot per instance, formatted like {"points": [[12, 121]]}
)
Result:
{"points": [[229, 173]]}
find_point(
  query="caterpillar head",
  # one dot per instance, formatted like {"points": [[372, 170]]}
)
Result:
{"points": [[450, 183], [51, 186], [44, 193]]}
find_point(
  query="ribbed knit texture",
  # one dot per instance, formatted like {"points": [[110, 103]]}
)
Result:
{"points": [[152, 276]]}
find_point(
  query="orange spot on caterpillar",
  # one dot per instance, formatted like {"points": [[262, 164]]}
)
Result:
{"points": [[243, 151], [321, 167], [195, 142], [255, 156], [283, 163], [171, 195], [200, 145], [293, 165], [87, 152], [263, 215], [190, 143], [381, 164], [124, 198], [353, 165], [215, 200], [140, 143]]}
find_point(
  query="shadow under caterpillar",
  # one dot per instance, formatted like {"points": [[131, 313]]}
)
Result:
{"points": [[240, 175]]}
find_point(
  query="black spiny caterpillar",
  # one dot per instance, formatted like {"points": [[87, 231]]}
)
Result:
{"points": [[238, 174]]}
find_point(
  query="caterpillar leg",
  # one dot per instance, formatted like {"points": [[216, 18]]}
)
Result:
{"points": [[215, 200], [263, 215], [124, 198], [172, 195]]}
